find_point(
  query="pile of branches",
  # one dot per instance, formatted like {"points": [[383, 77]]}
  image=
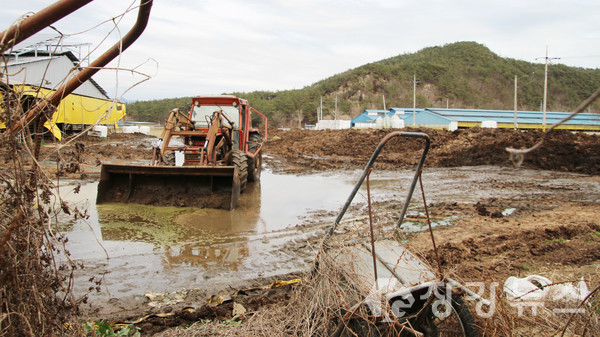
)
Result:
{"points": [[35, 285], [320, 306], [325, 304]]}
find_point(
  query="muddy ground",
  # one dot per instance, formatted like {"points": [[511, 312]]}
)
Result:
{"points": [[299, 151], [331, 149], [553, 230]]}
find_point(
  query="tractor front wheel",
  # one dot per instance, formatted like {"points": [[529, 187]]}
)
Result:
{"points": [[238, 159], [254, 164]]}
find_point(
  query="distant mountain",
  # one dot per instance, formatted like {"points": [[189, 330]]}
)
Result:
{"points": [[127, 101], [457, 75]]}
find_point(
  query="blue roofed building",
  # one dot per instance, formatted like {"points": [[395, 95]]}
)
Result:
{"points": [[453, 119], [524, 119]]}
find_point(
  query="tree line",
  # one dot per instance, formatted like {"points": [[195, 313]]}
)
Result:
{"points": [[459, 75]]}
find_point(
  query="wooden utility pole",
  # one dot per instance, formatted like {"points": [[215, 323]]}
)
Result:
{"points": [[321, 109], [335, 109], [414, 99], [546, 87], [516, 124]]}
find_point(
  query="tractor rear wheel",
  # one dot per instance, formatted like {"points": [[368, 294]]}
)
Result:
{"points": [[254, 164], [238, 159]]}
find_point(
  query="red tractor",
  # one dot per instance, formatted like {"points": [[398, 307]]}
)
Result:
{"points": [[203, 158]]}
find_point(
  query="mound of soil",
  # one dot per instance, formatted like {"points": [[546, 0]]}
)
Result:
{"points": [[298, 151], [335, 149]]}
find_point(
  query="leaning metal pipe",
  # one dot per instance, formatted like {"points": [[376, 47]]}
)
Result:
{"points": [[88, 72], [38, 21], [370, 165]]}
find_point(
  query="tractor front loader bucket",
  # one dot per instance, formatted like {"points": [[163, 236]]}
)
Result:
{"points": [[183, 186]]}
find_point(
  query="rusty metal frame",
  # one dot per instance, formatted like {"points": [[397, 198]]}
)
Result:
{"points": [[369, 167], [49, 15], [417, 178]]}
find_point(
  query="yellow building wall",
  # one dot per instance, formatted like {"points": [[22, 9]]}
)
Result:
{"points": [[76, 109]]}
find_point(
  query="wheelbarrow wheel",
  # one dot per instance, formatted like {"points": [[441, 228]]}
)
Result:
{"points": [[458, 321]]}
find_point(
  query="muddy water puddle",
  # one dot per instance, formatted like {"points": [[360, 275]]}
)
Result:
{"points": [[138, 249]]}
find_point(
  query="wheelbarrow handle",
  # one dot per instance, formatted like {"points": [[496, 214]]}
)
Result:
{"points": [[370, 165]]}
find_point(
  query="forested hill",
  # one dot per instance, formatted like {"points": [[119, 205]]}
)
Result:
{"points": [[457, 75]]}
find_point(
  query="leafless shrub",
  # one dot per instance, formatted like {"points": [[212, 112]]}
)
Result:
{"points": [[35, 288]]}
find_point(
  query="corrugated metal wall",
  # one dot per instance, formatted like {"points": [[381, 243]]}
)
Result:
{"points": [[48, 73]]}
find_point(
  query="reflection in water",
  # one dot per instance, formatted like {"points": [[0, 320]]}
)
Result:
{"points": [[186, 236], [219, 221], [227, 256]]}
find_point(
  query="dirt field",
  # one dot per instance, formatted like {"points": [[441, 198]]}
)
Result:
{"points": [[330, 149], [349, 149], [555, 233]]}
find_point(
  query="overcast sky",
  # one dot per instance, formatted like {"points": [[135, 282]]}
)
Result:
{"points": [[200, 47]]}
